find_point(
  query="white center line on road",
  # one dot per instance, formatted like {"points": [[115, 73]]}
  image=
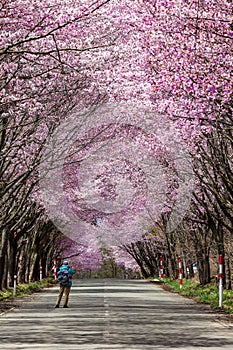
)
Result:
{"points": [[106, 333], [113, 315]]}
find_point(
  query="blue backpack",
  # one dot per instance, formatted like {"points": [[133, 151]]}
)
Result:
{"points": [[63, 277]]}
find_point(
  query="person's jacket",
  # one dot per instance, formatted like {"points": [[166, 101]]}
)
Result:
{"points": [[70, 273]]}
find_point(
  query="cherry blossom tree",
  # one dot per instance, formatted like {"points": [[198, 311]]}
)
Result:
{"points": [[189, 47], [174, 59], [189, 59], [43, 76], [147, 252]]}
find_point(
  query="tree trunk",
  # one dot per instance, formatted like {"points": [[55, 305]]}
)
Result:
{"points": [[228, 273], [22, 267], [35, 270], [204, 269], [173, 270], [191, 271], [12, 248], [5, 274], [172, 256], [3, 254]]}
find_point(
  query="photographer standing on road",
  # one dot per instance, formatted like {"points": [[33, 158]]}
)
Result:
{"points": [[65, 279]]}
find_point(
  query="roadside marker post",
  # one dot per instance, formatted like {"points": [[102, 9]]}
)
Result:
{"points": [[55, 267], [180, 272], [15, 283], [41, 277], [161, 270], [220, 276]]}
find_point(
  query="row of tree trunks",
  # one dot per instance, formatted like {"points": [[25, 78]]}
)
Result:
{"points": [[24, 254]]}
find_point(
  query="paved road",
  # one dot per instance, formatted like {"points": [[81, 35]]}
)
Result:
{"points": [[113, 314]]}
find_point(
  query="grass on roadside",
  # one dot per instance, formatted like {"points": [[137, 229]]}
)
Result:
{"points": [[25, 289], [208, 294]]}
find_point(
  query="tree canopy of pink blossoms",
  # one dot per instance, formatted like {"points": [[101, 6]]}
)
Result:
{"points": [[190, 60], [61, 59]]}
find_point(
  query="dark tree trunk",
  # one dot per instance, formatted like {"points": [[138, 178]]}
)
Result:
{"points": [[228, 274], [3, 254], [173, 266], [22, 265], [172, 256], [35, 276], [191, 271], [204, 269], [12, 248]]}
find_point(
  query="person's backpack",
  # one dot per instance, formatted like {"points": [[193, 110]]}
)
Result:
{"points": [[63, 277]]}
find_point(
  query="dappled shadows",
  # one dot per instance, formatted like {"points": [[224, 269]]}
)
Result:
{"points": [[126, 327], [114, 315]]}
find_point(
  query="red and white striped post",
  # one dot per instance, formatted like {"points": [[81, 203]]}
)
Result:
{"points": [[180, 272], [220, 276], [161, 273], [55, 267], [41, 273]]}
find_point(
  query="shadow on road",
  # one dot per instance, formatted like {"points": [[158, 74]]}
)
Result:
{"points": [[114, 315]]}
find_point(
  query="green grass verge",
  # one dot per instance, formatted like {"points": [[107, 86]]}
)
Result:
{"points": [[26, 289], [208, 294]]}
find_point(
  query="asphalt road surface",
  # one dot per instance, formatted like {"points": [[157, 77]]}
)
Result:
{"points": [[113, 314]]}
